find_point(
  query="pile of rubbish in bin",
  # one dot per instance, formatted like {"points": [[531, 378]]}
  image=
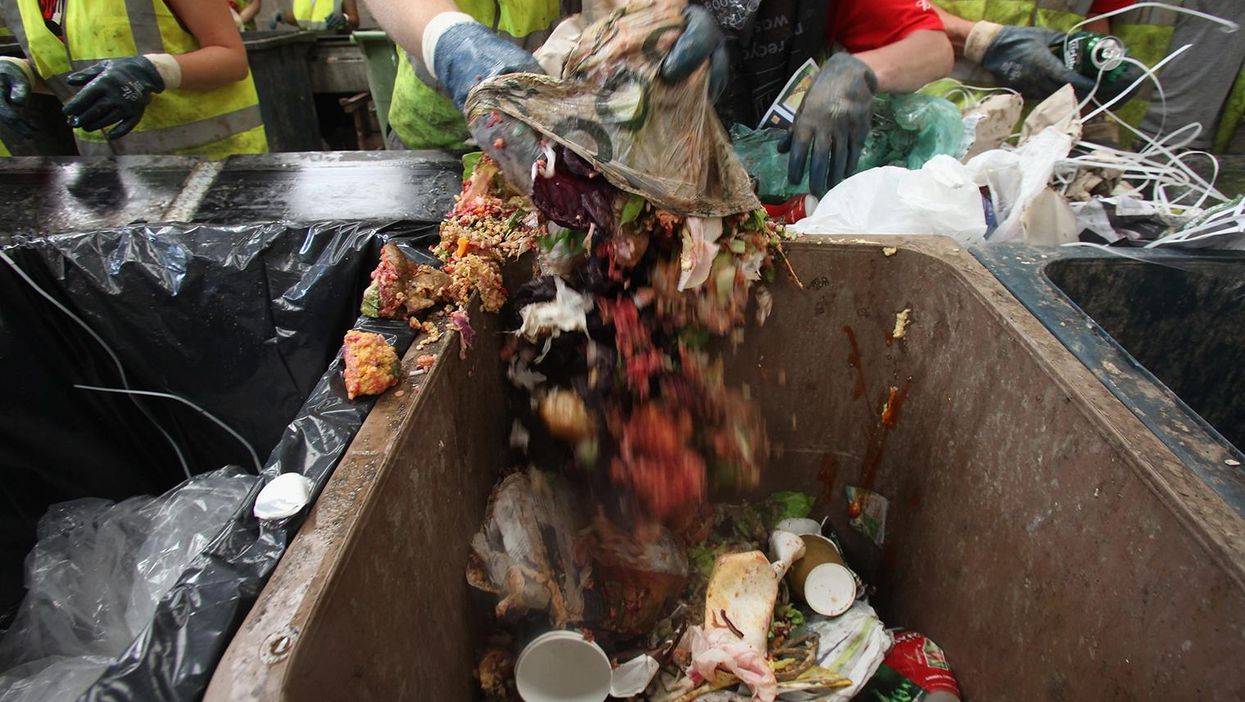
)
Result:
{"points": [[618, 555]]}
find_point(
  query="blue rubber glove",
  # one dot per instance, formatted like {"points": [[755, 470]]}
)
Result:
{"points": [[1021, 59], [700, 40], [468, 53], [832, 123], [14, 91], [117, 92]]}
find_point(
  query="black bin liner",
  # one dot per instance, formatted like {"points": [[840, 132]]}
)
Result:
{"points": [[243, 321]]}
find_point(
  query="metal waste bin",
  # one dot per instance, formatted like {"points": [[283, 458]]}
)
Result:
{"points": [[280, 66], [1038, 530], [382, 68]]}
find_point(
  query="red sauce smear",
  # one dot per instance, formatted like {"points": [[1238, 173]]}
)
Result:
{"points": [[853, 360]]}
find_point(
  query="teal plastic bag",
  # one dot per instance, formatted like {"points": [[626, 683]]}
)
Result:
{"points": [[908, 130]]}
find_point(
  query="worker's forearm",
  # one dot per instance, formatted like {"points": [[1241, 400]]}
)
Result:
{"points": [[248, 13], [921, 57], [1101, 26], [957, 29], [351, 9], [211, 67], [405, 20]]}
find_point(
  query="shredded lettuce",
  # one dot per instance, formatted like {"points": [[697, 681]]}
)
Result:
{"points": [[633, 208], [789, 504]]}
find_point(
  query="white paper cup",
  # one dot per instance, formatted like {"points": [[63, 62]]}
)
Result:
{"points": [[563, 666], [799, 526], [830, 589]]}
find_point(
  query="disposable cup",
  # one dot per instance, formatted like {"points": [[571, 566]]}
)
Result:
{"points": [[821, 578], [562, 666]]}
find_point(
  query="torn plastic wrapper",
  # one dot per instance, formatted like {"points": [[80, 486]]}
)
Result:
{"points": [[158, 296], [661, 141], [524, 552]]}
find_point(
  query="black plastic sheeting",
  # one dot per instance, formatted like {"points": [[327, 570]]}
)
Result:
{"points": [[240, 320]]}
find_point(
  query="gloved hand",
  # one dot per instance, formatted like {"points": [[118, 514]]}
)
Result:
{"points": [[513, 145], [833, 123], [462, 53], [336, 22], [1021, 58], [14, 91], [701, 39], [117, 92], [466, 53]]}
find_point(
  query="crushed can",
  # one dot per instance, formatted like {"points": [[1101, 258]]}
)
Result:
{"points": [[1087, 53], [914, 670], [793, 210]]}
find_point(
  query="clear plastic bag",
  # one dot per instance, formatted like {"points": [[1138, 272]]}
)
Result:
{"points": [[96, 575]]}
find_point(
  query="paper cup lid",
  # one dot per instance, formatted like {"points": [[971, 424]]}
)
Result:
{"points": [[562, 666], [830, 589], [799, 526]]}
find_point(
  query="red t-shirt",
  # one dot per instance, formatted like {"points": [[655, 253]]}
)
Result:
{"points": [[1101, 6], [863, 25]]}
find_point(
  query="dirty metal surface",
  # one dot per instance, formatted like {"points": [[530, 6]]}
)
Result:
{"points": [[48, 195], [1198, 444], [1039, 532], [344, 185]]}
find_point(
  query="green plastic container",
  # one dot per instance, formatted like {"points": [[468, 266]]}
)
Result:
{"points": [[382, 67]]}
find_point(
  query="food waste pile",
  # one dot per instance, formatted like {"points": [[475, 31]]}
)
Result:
{"points": [[624, 551], [627, 520]]}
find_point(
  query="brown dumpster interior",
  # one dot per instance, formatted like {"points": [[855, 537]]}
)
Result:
{"points": [[1037, 532]]}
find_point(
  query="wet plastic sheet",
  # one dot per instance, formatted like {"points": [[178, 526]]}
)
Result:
{"points": [[241, 320]]}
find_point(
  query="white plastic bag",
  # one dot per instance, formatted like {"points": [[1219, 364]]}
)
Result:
{"points": [[95, 576], [940, 198], [1016, 178]]}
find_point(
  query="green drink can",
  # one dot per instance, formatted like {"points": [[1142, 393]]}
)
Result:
{"points": [[1089, 53]]}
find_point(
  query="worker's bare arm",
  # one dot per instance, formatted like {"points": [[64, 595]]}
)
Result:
{"points": [[351, 9], [248, 13], [405, 20], [919, 58], [220, 58]]}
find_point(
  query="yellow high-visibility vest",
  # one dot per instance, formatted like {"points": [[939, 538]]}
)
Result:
{"points": [[424, 118], [313, 14], [213, 123]]}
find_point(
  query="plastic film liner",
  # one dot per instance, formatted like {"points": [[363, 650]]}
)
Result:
{"points": [[658, 140], [241, 320]]}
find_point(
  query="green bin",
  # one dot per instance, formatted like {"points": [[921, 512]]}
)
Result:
{"points": [[382, 68]]}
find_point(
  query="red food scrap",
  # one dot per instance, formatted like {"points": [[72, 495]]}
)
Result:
{"points": [[641, 360], [656, 460]]}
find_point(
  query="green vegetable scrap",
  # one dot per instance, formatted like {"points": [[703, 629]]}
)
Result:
{"points": [[787, 505], [633, 208], [371, 302]]}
